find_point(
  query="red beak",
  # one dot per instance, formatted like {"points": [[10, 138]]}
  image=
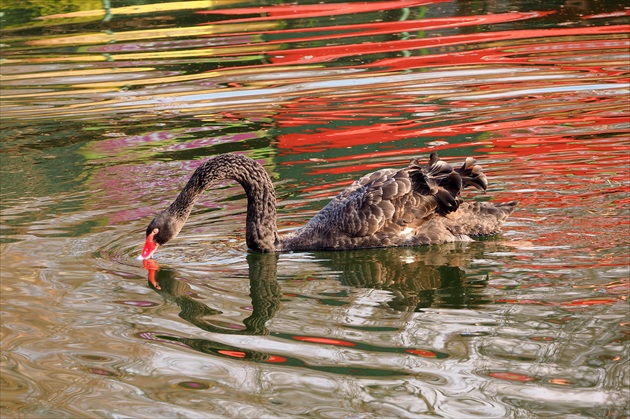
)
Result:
{"points": [[152, 266], [150, 246]]}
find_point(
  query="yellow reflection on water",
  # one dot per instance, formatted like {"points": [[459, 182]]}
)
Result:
{"points": [[110, 37], [146, 8]]}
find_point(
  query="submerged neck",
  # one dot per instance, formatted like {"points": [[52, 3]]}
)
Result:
{"points": [[260, 230]]}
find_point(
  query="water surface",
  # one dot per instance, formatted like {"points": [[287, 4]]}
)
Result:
{"points": [[105, 113]]}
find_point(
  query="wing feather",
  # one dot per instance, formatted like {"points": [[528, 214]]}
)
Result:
{"points": [[390, 205]]}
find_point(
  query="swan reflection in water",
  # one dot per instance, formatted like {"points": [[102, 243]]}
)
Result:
{"points": [[416, 278]]}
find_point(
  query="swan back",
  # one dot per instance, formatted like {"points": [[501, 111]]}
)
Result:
{"points": [[405, 207]]}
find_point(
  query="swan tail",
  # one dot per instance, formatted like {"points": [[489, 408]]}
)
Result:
{"points": [[458, 219], [440, 180], [479, 218], [472, 175]]}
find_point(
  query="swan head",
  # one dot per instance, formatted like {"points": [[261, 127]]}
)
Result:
{"points": [[160, 230]]}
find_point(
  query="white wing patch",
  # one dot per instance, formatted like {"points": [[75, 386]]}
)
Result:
{"points": [[406, 232]]}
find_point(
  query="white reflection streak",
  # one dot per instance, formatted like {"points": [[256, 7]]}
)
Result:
{"points": [[555, 89], [327, 84]]}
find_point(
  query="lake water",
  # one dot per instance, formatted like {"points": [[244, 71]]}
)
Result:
{"points": [[106, 112]]}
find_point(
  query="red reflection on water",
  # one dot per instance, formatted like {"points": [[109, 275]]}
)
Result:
{"points": [[423, 353], [276, 359], [233, 354], [619, 13], [324, 341], [511, 376], [573, 303], [527, 54], [296, 11], [333, 52], [383, 28], [589, 302], [152, 267], [561, 381]]}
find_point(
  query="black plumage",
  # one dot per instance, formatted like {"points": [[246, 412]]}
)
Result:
{"points": [[416, 205]]}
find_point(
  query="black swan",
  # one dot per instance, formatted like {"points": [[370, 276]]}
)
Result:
{"points": [[391, 207]]}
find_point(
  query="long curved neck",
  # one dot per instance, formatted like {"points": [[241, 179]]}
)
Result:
{"points": [[260, 229]]}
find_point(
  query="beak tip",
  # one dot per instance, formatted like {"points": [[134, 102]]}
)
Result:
{"points": [[150, 246]]}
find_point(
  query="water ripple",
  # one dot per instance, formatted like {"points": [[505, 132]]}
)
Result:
{"points": [[106, 112]]}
